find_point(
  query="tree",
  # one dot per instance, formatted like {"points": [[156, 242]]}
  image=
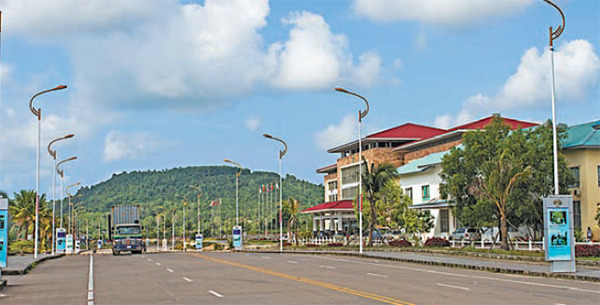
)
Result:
{"points": [[373, 181], [23, 212], [292, 206]]}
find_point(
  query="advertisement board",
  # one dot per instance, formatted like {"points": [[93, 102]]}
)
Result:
{"points": [[237, 237], [69, 243], [199, 242], [559, 233], [61, 240], [3, 232]]}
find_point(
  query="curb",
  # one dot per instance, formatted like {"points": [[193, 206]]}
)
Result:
{"points": [[30, 266], [2, 284], [443, 264]]}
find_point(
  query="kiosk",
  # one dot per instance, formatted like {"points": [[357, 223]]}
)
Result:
{"points": [[61, 242], [559, 236], [3, 235], [237, 237], [199, 242]]}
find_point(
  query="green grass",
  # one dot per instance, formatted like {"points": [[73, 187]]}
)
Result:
{"points": [[592, 258]]}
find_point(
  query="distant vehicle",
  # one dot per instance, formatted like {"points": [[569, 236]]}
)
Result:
{"points": [[125, 230], [467, 234], [393, 234]]}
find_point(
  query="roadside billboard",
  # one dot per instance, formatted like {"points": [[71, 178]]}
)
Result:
{"points": [[559, 236], [3, 232], [237, 237]]}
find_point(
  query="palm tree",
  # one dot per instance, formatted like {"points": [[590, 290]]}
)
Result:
{"points": [[23, 212], [373, 180], [292, 205]]}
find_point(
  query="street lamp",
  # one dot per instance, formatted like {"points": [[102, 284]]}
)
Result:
{"points": [[38, 113], [53, 155], [197, 187], [62, 176], [71, 204], [554, 35], [361, 115], [237, 178], [281, 154], [185, 201]]}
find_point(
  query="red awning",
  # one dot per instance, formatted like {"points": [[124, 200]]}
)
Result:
{"points": [[334, 205]]}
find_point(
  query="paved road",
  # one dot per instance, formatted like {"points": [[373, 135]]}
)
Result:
{"points": [[243, 278]]}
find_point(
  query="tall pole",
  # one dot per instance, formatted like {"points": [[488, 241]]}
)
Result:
{"points": [[361, 115], [554, 35], [237, 195], [53, 155], [281, 154], [62, 189], [173, 229], [38, 113]]}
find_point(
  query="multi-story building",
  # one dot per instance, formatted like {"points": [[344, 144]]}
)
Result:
{"points": [[582, 153]]}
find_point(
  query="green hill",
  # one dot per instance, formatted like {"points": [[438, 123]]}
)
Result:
{"points": [[156, 192]]}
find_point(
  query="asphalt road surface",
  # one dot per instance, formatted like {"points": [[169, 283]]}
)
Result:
{"points": [[244, 278]]}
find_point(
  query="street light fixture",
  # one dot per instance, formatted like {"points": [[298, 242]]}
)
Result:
{"points": [[38, 113], [361, 115], [62, 176], [237, 178], [53, 155], [281, 154], [553, 36], [185, 201]]}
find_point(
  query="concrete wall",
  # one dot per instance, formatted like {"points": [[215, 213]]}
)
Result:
{"points": [[588, 161]]}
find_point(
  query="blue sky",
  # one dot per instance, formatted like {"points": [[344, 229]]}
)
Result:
{"points": [[157, 84]]}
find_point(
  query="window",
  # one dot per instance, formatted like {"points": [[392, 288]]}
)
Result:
{"points": [[408, 192], [349, 193], [577, 214], [598, 175], [575, 171], [425, 192], [444, 221], [350, 174], [332, 198], [332, 185]]}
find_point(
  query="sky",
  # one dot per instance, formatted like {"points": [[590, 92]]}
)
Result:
{"points": [[157, 84]]}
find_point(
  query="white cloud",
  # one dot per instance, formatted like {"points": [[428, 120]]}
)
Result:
{"points": [[445, 12], [577, 72], [316, 58], [253, 123], [134, 146], [334, 135]]}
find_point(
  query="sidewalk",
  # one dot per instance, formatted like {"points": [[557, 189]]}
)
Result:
{"points": [[584, 273], [18, 265]]}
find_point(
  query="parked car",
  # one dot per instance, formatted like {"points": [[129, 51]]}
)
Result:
{"points": [[467, 234]]}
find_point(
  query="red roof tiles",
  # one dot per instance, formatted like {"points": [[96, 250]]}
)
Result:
{"points": [[334, 205]]}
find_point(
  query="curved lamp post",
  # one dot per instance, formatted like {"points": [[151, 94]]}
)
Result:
{"points": [[38, 113], [554, 35], [361, 115], [197, 187], [237, 180], [53, 155], [62, 176], [281, 154], [185, 201], [70, 203]]}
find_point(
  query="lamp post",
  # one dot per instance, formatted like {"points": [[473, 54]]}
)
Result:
{"points": [[197, 187], [185, 201], [38, 113], [237, 178], [554, 35], [361, 115], [62, 174], [281, 154], [53, 155], [71, 204]]}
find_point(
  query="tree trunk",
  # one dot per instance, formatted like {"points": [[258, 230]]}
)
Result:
{"points": [[373, 220], [504, 230]]}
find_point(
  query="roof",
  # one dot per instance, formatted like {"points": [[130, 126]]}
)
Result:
{"points": [[334, 205], [586, 135], [482, 123], [422, 164], [440, 137], [327, 169], [434, 204]]}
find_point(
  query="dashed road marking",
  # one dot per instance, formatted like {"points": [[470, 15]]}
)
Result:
{"points": [[292, 262], [149, 259], [452, 286], [170, 270], [187, 279], [327, 267], [218, 295], [377, 275], [158, 264], [265, 257], [90, 297]]}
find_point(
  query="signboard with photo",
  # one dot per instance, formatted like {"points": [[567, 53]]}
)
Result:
{"points": [[3, 232], [559, 241]]}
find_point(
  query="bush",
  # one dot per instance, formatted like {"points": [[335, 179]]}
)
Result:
{"points": [[312, 245], [437, 242], [334, 244], [18, 246], [400, 243], [285, 244], [587, 251]]}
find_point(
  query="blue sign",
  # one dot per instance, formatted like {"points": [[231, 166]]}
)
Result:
{"points": [[559, 235], [198, 242], [3, 232], [237, 237], [61, 240]]}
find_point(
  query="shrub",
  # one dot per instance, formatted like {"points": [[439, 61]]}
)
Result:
{"points": [[334, 244], [312, 245], [587, 250], [285, 244], [437, 242], [400, 243]]}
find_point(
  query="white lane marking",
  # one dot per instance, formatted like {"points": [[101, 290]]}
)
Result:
{"points": [[158, 264], [327, 267], [559, 304], [90, 297], [185, 278], [149, 259], [170, 270], [218, 295], [467, 275], [292, 262], [375, 274], [142, 256], [265, 257], [452, 286]]}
